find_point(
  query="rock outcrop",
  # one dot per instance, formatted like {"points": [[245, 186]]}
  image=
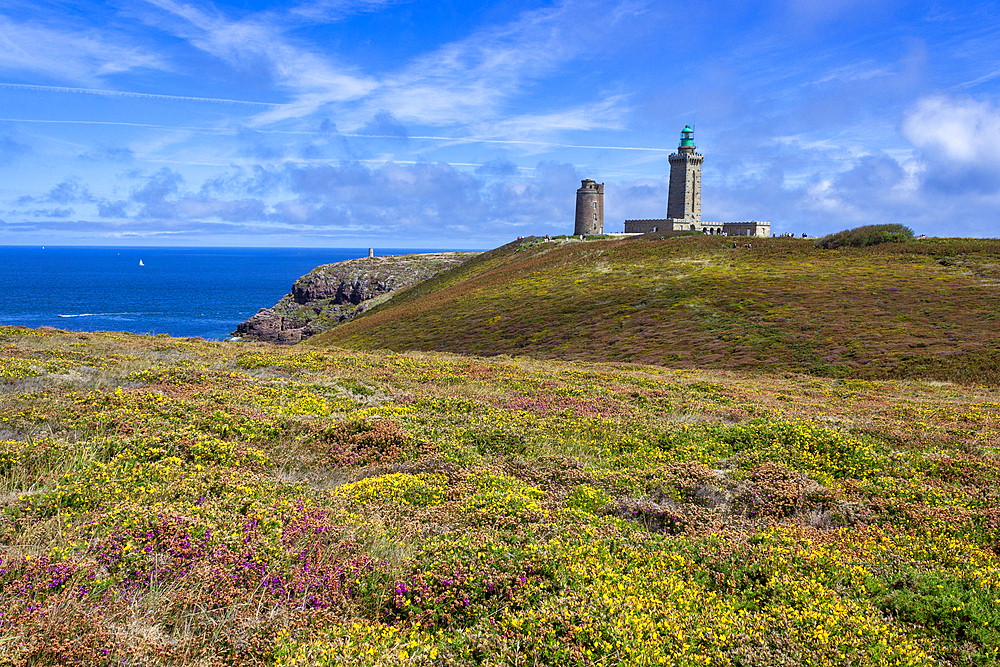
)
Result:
{"points": [[335, 293]]}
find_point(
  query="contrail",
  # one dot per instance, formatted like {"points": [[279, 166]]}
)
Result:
{"points": [[482, 140], [471, 140], [461, 140], [245, 161], [124, 93], [207, 130]]}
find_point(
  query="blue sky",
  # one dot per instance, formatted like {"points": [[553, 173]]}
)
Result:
{"points": [[361, 123]]}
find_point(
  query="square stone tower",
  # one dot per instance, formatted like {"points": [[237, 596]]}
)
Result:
{"points": [[589, 208], [684, 195]]}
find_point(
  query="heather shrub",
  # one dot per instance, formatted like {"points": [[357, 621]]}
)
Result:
{"points": [[365, 443], [455, 584], [860, 237], [63, 632], [654, 517], [688, 482], [774, 490]]}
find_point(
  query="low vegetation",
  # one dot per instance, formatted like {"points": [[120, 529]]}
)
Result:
{"points": [[169, 501], [862, 237], [924, 308]]}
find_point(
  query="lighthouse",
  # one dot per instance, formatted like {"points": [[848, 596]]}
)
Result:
{"points": [[684, 200], [684, 194]]}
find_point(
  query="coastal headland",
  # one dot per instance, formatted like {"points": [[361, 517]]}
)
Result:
{"points": [[336, 293]]}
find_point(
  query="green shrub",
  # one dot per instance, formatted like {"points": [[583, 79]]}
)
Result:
{"points": [[860, 237], [496, 440], [963, 611]]}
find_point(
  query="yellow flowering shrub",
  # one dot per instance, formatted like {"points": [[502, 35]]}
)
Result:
{"points": [[420, 490], [499, 495]]}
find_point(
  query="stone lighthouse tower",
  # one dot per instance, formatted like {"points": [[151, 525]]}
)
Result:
{"points": [[684, 196], [590, 208]]}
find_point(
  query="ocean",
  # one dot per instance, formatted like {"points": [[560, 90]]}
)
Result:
{"points": [[178, 291]]}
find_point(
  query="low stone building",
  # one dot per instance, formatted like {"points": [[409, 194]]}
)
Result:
{"points": [[747, 228]]}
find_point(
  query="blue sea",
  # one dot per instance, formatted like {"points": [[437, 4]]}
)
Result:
{"points": [[178, 291]]}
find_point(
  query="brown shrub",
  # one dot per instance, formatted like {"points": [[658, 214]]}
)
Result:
{"points": [[61, 632], [356, 443], [691, 482], [665, 517], [774, 490]]}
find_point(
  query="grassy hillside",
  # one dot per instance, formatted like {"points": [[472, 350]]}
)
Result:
{"points": [[167, 501], [925, 308]]}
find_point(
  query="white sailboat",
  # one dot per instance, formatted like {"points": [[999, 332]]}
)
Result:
{"points": [[140, 263]]}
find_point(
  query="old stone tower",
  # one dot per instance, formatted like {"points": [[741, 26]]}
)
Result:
{"points": [[684, 196], [589, 208]]}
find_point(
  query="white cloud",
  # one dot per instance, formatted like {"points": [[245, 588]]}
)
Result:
{"points": [[963, 130], [808, 13], [469, 81], [258, 45], [605, 114], [329, 11], [69, 54]]}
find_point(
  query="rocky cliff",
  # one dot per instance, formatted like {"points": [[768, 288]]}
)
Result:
{"points": [[335, 293]]}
